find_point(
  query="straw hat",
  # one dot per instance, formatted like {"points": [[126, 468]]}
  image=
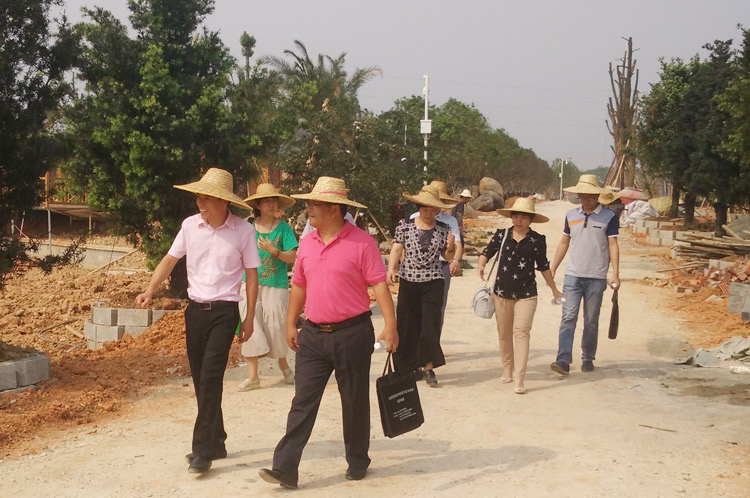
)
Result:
{"points": [[524, 205], [266, 190], [329, 189], [466, 193], [443, 188], [429, 196], [587, 184], [608, 196], [215, 183]]}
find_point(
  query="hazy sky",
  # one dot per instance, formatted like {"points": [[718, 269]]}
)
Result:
{"points": [[538, 69]]}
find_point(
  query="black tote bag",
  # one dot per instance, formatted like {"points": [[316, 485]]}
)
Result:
{"points": [[398, 399]]}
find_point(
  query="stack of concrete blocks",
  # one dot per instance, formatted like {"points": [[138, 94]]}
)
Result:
{"points": [[739, 300], [24, 372], [110, 324], [658, 234]]}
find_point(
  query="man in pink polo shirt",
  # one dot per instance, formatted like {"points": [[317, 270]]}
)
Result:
{"points": [[219, 247], [335, 265]]}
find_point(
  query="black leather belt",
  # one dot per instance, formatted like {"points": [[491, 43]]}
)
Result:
{"points": [[332, 327], [212, 305]]}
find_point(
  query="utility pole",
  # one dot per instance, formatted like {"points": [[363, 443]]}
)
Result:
{"points": [[426, 124], [562, 165]]}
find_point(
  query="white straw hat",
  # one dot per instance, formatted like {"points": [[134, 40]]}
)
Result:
{"points": [[429, 196], [215, 183], [466, 193], [329, 189]]}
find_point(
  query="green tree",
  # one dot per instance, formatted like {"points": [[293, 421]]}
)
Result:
{"points": [[711, 173], [735, 101], [153, 114], [664, 131], [35, 53]]}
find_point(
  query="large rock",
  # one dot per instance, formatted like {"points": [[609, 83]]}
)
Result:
{"points": [[490, 184], [488, 201], [469, 212]]}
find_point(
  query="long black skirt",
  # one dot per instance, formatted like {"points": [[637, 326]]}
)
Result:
{"points": [[418, 318]]}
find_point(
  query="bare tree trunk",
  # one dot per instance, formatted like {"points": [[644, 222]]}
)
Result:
{"points": [[689, 210], [721, 209]]}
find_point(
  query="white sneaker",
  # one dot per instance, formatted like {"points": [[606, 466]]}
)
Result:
{"points": [[249, 385], [288, 375]]}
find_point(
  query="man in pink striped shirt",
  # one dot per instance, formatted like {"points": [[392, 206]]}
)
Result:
{"points": [[219, 248], [335, 265]]}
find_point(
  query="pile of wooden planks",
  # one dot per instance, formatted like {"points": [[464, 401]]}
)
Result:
{"points": [[706, 246]]}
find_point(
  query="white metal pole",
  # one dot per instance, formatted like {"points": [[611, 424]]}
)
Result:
{"points": [[426, 117], [562, 165]]}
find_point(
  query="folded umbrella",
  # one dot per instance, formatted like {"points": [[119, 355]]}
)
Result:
{"points": [[614, 320]]}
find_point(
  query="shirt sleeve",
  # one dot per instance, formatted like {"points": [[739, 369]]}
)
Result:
{"points": [[179, 245], [399, 235], [288, 240], [250, 256], [298, 277], [494, 245], [566, 229], [373, 268], [542, 263], [613, 227], [453, 225]]}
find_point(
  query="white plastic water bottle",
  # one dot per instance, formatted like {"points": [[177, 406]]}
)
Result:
{"points": [[558, 300], [381, 346]]}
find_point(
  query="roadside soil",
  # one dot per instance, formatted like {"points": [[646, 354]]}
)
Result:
{"points": [[118, 421]]}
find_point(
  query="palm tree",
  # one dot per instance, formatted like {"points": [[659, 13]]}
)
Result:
{"points": [[331, 79]]}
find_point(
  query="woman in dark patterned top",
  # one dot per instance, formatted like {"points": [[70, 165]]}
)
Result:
{"points": [[515, 286], [420, 241]]}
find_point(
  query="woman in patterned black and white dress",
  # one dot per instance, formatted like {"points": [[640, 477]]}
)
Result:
{"points": [[420, 242]]}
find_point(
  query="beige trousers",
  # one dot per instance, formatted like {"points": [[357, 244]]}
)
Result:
{"points": [[514, 318]]}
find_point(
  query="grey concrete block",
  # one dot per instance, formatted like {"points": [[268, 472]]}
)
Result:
{"points": [[654, 241], [666, 234], [713, 263], [32, 370], [134, 317], [639, 223], [104, 316], [650, 224], [8, 375], [89, 330], [109, 332], [134, 330], [156, 315], [738, 295], [725, 264], [92, 344], [681, 234]]}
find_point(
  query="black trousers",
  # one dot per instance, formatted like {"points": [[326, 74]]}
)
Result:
{"points": [[209, 335], [347, 352], [418, 319]]}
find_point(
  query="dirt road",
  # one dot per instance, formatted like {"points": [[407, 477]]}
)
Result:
{"points": [[637, 426]]}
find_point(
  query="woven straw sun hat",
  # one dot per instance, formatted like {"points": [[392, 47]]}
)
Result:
{"points": [[608, 196], [429, 196], [329, 189], [524, 205], [443, 189], [466, 193], [587, 184], [215, 183], [266, 190]]}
